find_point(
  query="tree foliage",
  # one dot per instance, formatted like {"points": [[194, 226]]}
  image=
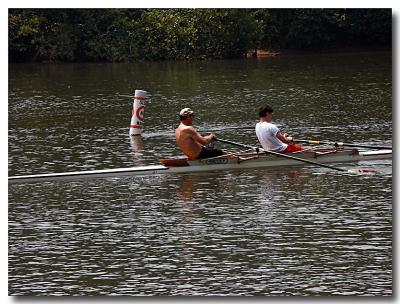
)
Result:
{"points": [[117, 35]]}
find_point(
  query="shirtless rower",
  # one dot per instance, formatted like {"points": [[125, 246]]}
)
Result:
{"points": [[190, 141]]}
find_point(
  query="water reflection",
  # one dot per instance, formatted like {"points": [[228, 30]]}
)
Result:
{"points": [[278, 231], [255, 232], [187, 187], [138, 149]]}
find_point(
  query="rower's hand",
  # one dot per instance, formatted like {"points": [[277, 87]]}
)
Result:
{"points": [[212, 137], [288, 138]]}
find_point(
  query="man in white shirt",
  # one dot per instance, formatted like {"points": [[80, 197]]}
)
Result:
{"points": [[269, 135]]}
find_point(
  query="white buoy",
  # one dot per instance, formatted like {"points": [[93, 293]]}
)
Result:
{"points": [[136, 127]]}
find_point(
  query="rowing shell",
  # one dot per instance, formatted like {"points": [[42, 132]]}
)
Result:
{"points": [[239, 161]]}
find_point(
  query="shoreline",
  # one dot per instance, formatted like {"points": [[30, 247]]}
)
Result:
{"points": [[251, 54], [264, 53]]}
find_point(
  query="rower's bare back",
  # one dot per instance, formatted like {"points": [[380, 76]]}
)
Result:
{"points": [[185, 138]]}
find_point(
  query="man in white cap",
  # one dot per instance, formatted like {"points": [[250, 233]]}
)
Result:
{"points": [[190, 141]]}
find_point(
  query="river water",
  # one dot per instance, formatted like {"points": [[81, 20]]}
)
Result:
{"points": [[300, 230]]}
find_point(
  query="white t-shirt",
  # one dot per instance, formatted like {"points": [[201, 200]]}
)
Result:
{"points": [[266, 134]]}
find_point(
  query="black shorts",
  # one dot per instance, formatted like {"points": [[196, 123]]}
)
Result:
{"points": [[210, 152]]}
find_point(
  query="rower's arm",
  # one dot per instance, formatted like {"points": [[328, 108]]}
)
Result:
{"points": [[284, 138], [204, 140]]}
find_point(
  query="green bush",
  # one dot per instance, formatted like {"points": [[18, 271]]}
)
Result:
{"points": [[117, 35]]}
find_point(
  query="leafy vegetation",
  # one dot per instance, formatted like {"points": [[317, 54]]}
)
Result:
{"points": [[117, 35]]}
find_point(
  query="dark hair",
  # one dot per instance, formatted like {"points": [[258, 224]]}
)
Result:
{"points": [[264, 110]]}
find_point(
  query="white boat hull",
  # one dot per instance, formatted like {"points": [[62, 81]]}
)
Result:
{"points": [[213, 164]]}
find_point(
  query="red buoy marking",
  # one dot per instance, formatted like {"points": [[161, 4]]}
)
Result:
{"points": [[139, 112]]}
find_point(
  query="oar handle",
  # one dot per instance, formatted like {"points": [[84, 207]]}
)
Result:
{"points": [[312, 142]]}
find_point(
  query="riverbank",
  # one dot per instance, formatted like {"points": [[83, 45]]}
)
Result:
{"points": [[262, 53]]}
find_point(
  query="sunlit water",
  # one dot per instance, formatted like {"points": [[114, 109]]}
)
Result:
{"points": [[299, 230]]}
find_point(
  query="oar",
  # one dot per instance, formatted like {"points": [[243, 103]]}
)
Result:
{"points": [[292, 157], [339, 144]]}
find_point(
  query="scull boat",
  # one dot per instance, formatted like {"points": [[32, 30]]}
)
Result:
{"points": [[228, 162]]}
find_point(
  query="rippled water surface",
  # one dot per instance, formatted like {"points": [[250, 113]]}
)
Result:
{"points": [[298, 230]]}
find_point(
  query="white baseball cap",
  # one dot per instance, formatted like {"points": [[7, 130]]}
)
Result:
{"points": [[186, 112]]}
